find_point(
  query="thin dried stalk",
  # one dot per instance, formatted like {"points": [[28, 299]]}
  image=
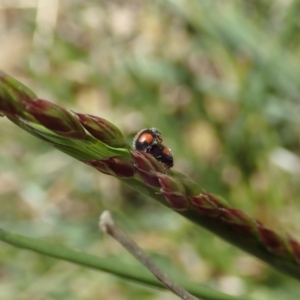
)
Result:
{"points": [[108, 225]]}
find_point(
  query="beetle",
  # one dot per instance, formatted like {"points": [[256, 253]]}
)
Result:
{"points": [[149, 140], [146, 138]]}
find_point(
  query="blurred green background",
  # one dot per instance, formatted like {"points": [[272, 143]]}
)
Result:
{"points": [[220, 79]]}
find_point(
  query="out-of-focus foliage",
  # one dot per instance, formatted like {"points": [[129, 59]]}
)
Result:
{"points": [[220, 79]]}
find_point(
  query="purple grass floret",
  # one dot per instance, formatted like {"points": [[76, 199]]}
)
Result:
{"points": [[204, 205], [170, 184], [147, 167], [174, 192], [209, 204], [56, 118], [103, 130], [177, 201], [273, 242], [146, 162], [238, 220], [115, 166]]}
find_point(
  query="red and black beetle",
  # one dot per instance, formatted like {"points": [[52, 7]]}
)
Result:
{"points": [[149, 140]]}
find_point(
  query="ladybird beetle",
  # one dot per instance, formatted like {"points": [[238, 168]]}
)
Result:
{"points": [[149, 140], [146, 138]]}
